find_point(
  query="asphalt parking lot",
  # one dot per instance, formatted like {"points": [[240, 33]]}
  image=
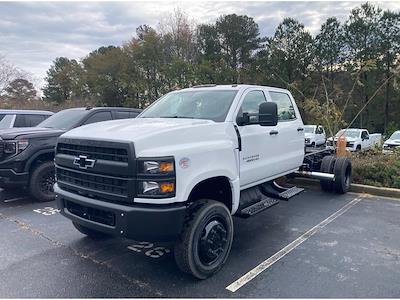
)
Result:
{"points": [[333, 246]]}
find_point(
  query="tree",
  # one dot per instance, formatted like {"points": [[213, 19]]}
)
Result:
{"points": [[329, 47], [64, 80], [21, 90], [106, 75], [290, 52], [389, 49], [238, 38], [146, 52], [361, 33], [8, 73]]}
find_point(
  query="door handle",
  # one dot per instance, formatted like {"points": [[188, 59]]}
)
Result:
{"points": [[300, 129], [273, 132]]}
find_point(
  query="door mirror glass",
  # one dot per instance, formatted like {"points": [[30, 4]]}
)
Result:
{"points": [[268, 114]]}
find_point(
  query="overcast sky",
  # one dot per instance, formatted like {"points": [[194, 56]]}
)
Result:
{"points": [[33, 34]]}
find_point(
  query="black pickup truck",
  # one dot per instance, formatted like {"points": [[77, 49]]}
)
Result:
{"points": [[27, 154]]}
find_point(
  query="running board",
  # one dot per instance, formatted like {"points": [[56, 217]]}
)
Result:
{"points": [[272, 189], [252, 202]]}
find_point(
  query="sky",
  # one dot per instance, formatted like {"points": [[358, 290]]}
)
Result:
{"points": [[33, 34]]}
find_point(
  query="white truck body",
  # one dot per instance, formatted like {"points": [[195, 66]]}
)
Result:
{"points": [[392, 143], [357, 139], [210, 149], [314, 135]]}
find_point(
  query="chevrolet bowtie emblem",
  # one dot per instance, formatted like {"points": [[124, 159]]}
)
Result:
{"points": [[83, 162]]}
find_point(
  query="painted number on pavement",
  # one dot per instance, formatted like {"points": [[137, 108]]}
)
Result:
{"points": [[47, 211], [149, 250]]}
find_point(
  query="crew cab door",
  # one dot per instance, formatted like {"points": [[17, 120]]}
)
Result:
{"points": [[291, 133], [365, 141], [260, 144], [320, 135]]}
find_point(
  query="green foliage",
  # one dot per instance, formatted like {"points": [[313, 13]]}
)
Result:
{"points": [[20, 89], [375, 168], [347, 75], [64, 80]]}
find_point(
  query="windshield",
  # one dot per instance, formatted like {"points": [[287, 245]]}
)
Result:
{"points": [[65, 119], [395, 136], [6, 121], [349, 133], [309, 129], [210, 105]]}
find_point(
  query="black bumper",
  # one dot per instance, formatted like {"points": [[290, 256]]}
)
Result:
{"points": [[10, 178], [138, 221]]}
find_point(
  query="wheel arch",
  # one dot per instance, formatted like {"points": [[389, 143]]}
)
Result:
{"points": [[218, 188], [40, 156]]}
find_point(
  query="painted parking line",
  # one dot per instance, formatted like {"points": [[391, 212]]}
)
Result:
{"points": [[233, 287]]}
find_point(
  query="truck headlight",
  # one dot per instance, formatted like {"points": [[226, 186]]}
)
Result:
{"points": [[157, 188], [15, 147], [157, 166], [156, 177]]}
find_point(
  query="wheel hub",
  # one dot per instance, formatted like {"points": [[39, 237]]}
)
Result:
{"points": [[212, 242], [47, 183]]}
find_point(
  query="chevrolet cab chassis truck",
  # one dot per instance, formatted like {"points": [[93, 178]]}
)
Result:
{"points": [[186, 165]]}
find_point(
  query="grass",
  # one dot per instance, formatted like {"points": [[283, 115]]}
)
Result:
{"points": [[377, 169]]}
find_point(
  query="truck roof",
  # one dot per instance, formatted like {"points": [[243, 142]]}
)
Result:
{"points": [[25, 112], [232, 87], [106, 107]]}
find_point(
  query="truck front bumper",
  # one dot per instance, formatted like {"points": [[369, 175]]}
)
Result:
{"points": [[10, 178], [137, 221]]}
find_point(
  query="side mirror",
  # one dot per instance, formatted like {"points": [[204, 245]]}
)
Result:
{"points": [[243, 120], [268, 114]]}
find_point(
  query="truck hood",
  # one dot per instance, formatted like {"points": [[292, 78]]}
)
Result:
{"points": [[349, 140], [153, 136], [309, 135], [392, 142], [29, 132]]}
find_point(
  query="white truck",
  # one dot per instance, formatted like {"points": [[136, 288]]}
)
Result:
{"points": [[314, 135], [392, 143], [191, 161], [356, 139]]}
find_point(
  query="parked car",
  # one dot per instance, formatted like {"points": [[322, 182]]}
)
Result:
{"points": [[314, 135], [22, 118], [393, 142], [357, 139], [27, 154], [188, 163]]}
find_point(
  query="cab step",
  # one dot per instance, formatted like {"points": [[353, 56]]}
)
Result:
{"points": [[253, 201], [272, 189], [257, 207]]}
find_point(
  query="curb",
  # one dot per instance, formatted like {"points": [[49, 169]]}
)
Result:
{"points": [[356, 188]]}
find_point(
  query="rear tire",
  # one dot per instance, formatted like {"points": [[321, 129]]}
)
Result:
{"points": [[342, 171], [42, 181], [94, 234], [206, 240], [327, 166]]}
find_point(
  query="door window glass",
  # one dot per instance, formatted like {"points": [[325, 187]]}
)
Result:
{"points": [[6, 121], [285, 106], [33, 120], [251, 103], [20, 121], [99, 117]]}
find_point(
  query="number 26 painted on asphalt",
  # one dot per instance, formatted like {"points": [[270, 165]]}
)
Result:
{"points": [[149, 249]]}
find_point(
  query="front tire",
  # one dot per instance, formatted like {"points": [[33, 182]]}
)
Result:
{"points": [[42, 181], [342, 171], [206, 240]]}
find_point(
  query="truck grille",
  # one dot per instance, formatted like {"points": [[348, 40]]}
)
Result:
{"points": [[93, 152], [99, 183], [111, 178]]}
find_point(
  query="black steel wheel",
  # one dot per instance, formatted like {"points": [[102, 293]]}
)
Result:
{"points": [[42, 181], [327, 165], [342, 171], [206, 239]]}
